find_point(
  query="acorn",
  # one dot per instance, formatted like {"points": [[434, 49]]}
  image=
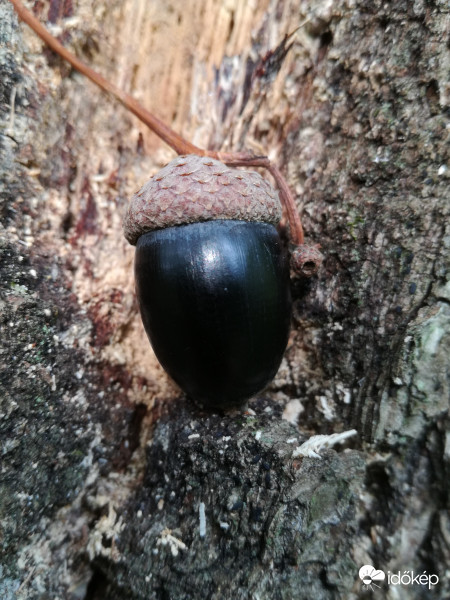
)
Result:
{"points": [[212, 277]]}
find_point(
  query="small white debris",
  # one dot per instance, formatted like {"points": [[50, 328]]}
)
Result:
{"points": [[316, 443], [167, 539], [291, 441], [447, 446], [47, 312], [193, 436], [292, 411], [325, 408], [160, 503], [258, 435], [251, 412], [442, 169], [139, 514], [224, 525], [398, 381], [107, 529], [33, 273], [343, 393], [226, 438], [201, 514]]}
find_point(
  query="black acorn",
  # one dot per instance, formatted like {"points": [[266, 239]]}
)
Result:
{"points": [[212, 277]]}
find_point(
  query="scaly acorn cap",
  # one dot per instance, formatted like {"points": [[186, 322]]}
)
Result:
{"points": [[196, 188]]}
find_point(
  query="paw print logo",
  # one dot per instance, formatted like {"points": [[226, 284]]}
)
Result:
{"points": [[370, 576]]}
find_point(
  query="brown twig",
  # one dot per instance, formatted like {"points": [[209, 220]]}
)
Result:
{"points": [[173, 139]]}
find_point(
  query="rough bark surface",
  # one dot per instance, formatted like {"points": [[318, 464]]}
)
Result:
{"points": [[105, 464]]}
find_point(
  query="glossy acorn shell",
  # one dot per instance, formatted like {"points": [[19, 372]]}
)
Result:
{"points": [[215, 302]]}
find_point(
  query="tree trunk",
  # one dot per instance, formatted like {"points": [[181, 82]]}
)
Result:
{"points": [[106, 466]]}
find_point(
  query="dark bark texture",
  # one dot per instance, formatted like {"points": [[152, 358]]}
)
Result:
{"points": [[106, 466]]}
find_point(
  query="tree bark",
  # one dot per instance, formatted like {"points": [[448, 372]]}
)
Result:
{"points": [[106, 466]]}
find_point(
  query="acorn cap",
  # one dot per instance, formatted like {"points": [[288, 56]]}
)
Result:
{"points": [[196, 188]]}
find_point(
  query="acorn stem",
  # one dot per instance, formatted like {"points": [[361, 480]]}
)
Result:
{"points": [[287, 199], [168, 135]]}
